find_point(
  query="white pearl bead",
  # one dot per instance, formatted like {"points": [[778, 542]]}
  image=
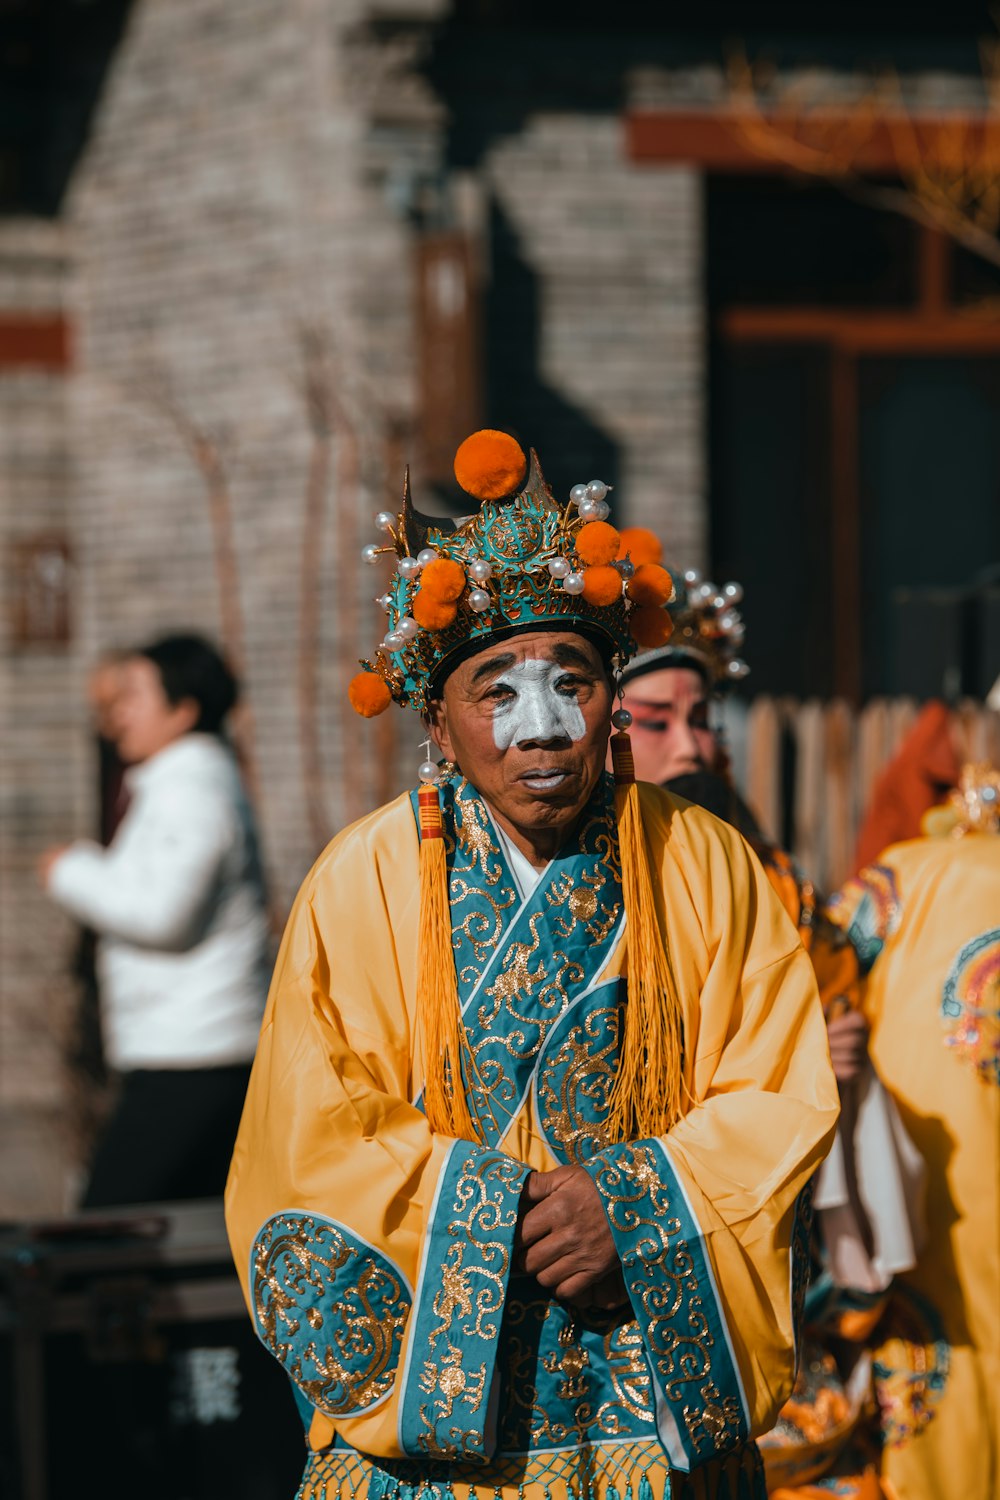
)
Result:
{"points": [[558, 567], [394, 641], [427, 771], [733, 592], [573, 583], [385, 520], [408, 567], [602, 510], [738, 669], [384, 601], [370, 553], [692, 577], [427, 555], [588, 510], [479, 600], [718, 602], [578, 494], [726, 620], [407, 628], [597, 489], [480, 570]]}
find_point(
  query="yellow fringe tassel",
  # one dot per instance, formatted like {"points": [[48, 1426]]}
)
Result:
{"points": [[443, 1038], [645, 1097]]}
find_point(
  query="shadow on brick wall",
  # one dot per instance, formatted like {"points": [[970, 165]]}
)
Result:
{"points": [[571, 446]]}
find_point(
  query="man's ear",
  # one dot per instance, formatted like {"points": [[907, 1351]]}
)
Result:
{"points": [[437, 727]]}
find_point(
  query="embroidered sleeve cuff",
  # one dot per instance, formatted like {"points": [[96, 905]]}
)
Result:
{"points": [[446, 1409], [331, 1309], [701, 1408]]}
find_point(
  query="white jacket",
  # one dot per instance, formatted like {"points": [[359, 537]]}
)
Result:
{"points": [[178, 902]]}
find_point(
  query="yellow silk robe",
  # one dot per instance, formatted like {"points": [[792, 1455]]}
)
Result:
{"points": [[925, 920], [376, 1256]]}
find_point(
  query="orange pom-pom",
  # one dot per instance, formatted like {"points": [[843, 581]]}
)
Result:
{"points": [[597, 543], [650, 584], [443, 580], [490, 465], [640, 544], [368, 694], [650, 626], [602, 585], [431, 613]]}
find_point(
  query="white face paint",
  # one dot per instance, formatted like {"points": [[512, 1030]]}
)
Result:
{"points": [[535, 709]]}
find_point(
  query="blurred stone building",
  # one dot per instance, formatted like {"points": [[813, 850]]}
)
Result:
{"points": [[255, 257]]}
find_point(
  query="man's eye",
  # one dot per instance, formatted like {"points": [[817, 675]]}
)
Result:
{"points": [[500, 690], [570, 686]]}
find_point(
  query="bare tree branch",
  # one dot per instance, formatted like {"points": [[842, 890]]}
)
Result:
{"points": [[950, 176]]}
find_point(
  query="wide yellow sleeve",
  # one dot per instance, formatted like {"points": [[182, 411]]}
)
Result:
{"points": [[763, 1109], [338, 1189]]}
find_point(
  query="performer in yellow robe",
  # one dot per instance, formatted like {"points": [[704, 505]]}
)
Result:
{"points": [[925, 920], [399, 1267], [669, 692]]}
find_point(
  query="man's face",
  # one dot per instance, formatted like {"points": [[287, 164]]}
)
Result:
{"points": [[527, 722], [670, 733]]}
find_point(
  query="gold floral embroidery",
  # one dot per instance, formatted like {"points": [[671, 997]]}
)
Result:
{"points": [[468, 1305], [516, 975], [454, 1383], [475, 840], [559, 1390], [478, 893], [718, 1419], [582, 904], [307, 1269], [666, 1288], [626, 1359], [574, 1081], [526, 971]]}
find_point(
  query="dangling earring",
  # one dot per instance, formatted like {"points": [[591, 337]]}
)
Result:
{"points": [[431, 772], [427, 770], [621, 743]]}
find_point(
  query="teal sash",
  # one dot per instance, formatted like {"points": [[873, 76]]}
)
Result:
{"points": [[522, 964]]}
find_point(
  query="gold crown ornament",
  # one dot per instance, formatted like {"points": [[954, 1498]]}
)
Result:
{"points": [[708, 629], [972, 807], [521, 562]]}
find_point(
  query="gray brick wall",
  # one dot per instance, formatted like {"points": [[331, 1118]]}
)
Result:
{"points": [[43, 758], [616, 251]]}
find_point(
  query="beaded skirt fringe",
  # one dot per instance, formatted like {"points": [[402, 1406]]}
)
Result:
{"points": [[638, 1472]]}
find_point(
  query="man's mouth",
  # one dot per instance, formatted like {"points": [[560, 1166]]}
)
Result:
{"points": [[543, 779]]}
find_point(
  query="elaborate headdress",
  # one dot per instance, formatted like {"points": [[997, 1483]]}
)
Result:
{"points": [[972, 807], [522, 563], [708, 629]]}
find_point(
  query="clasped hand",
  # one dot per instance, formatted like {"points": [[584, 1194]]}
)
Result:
{"points": [[564, 1242]]}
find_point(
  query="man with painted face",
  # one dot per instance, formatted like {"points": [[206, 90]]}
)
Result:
{"points": [[518, 1194]]}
